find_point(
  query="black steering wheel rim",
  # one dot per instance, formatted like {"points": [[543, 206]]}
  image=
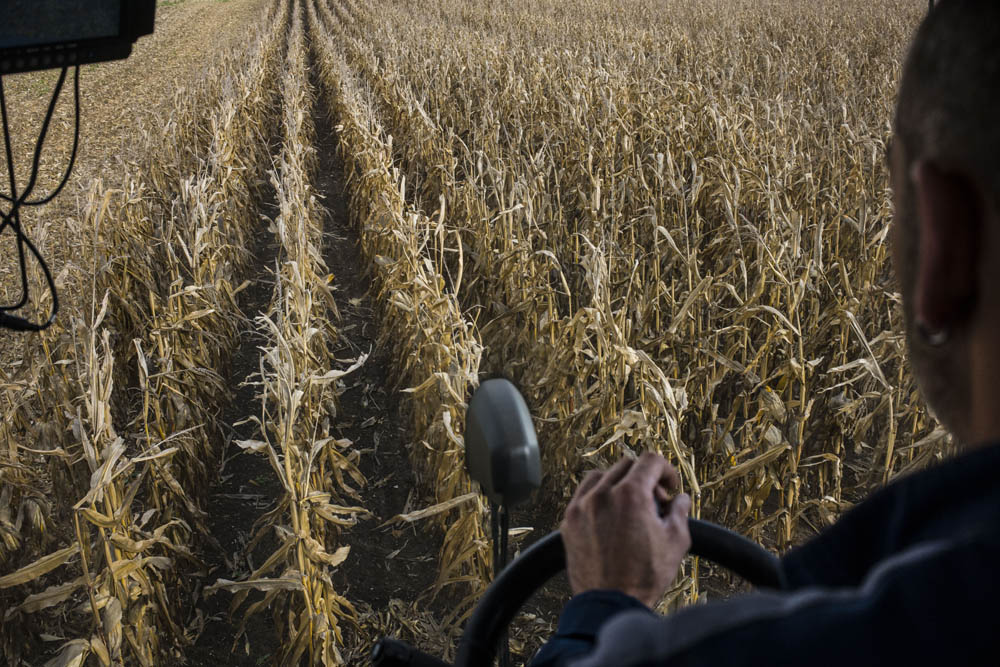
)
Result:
{"points": [[547, 557]]}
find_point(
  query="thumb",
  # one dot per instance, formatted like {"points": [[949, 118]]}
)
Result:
{"points": [[680, 507], [677, 520]]}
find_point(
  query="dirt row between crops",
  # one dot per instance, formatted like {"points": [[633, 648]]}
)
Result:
{"points": [[390, 574], [387, 568]]}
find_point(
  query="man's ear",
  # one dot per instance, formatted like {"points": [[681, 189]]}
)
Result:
{"points": [[950, 221]]}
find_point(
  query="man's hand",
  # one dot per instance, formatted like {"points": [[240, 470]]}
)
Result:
{"points": [[614, 535]]}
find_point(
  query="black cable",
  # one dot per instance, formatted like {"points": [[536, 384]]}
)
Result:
{"points": [[504, 534], [495, 538], [12, 217], [76, 143], [501, 531], [39, 143], [10, 153], [19, 323]]}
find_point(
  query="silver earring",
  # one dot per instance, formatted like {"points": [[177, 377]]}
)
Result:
{"points": [[933, 338]]}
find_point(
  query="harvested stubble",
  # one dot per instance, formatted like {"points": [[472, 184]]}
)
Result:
{"points": [[671, 229], [113, 485], [299, 391], [435, 347]]}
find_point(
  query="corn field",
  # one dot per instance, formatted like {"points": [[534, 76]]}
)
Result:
{"points": [[665, 222]]}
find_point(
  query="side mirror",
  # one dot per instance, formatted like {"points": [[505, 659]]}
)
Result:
{"points": [[501, 448]]}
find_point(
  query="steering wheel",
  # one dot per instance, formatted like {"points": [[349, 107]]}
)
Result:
{"points": [[546, 558]]}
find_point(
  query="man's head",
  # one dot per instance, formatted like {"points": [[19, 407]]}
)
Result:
{"points": [[945, 164]]}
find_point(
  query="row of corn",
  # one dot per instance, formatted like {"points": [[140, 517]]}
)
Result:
{"points": [[318, 471], [433, 343], [111, 438]]}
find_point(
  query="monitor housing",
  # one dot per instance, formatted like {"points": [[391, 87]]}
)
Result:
{"points": [[44, 34]]}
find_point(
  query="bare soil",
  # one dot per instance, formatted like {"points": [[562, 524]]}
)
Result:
{"points": [[387, 568], [246, 490]]}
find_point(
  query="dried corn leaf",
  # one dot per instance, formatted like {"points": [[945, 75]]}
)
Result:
{"points": [[433, 510], [72, 654], [289, 582], [38, 568], [51, 596]]}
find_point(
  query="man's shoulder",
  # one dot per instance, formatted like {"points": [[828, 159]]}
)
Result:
{"points": [[957, 497], [914, 606]]}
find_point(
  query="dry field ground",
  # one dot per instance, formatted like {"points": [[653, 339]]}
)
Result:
{"points": [[300, 233]]}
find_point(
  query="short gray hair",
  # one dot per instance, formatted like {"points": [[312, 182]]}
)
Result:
{"points": [[949, 97]]}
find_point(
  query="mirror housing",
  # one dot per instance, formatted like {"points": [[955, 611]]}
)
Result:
{"points": [[501, 447], [44, 34]]}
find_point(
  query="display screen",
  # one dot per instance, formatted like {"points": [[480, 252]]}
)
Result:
{"points": [[37, 22]]}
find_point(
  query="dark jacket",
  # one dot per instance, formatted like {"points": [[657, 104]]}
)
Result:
{"points": [[910, 576]]}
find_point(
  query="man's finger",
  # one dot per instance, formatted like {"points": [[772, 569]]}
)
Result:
{"points": [[661, 494], [662, 498], [614, 474], [680, 508], [650, 471], [590, 480]]}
